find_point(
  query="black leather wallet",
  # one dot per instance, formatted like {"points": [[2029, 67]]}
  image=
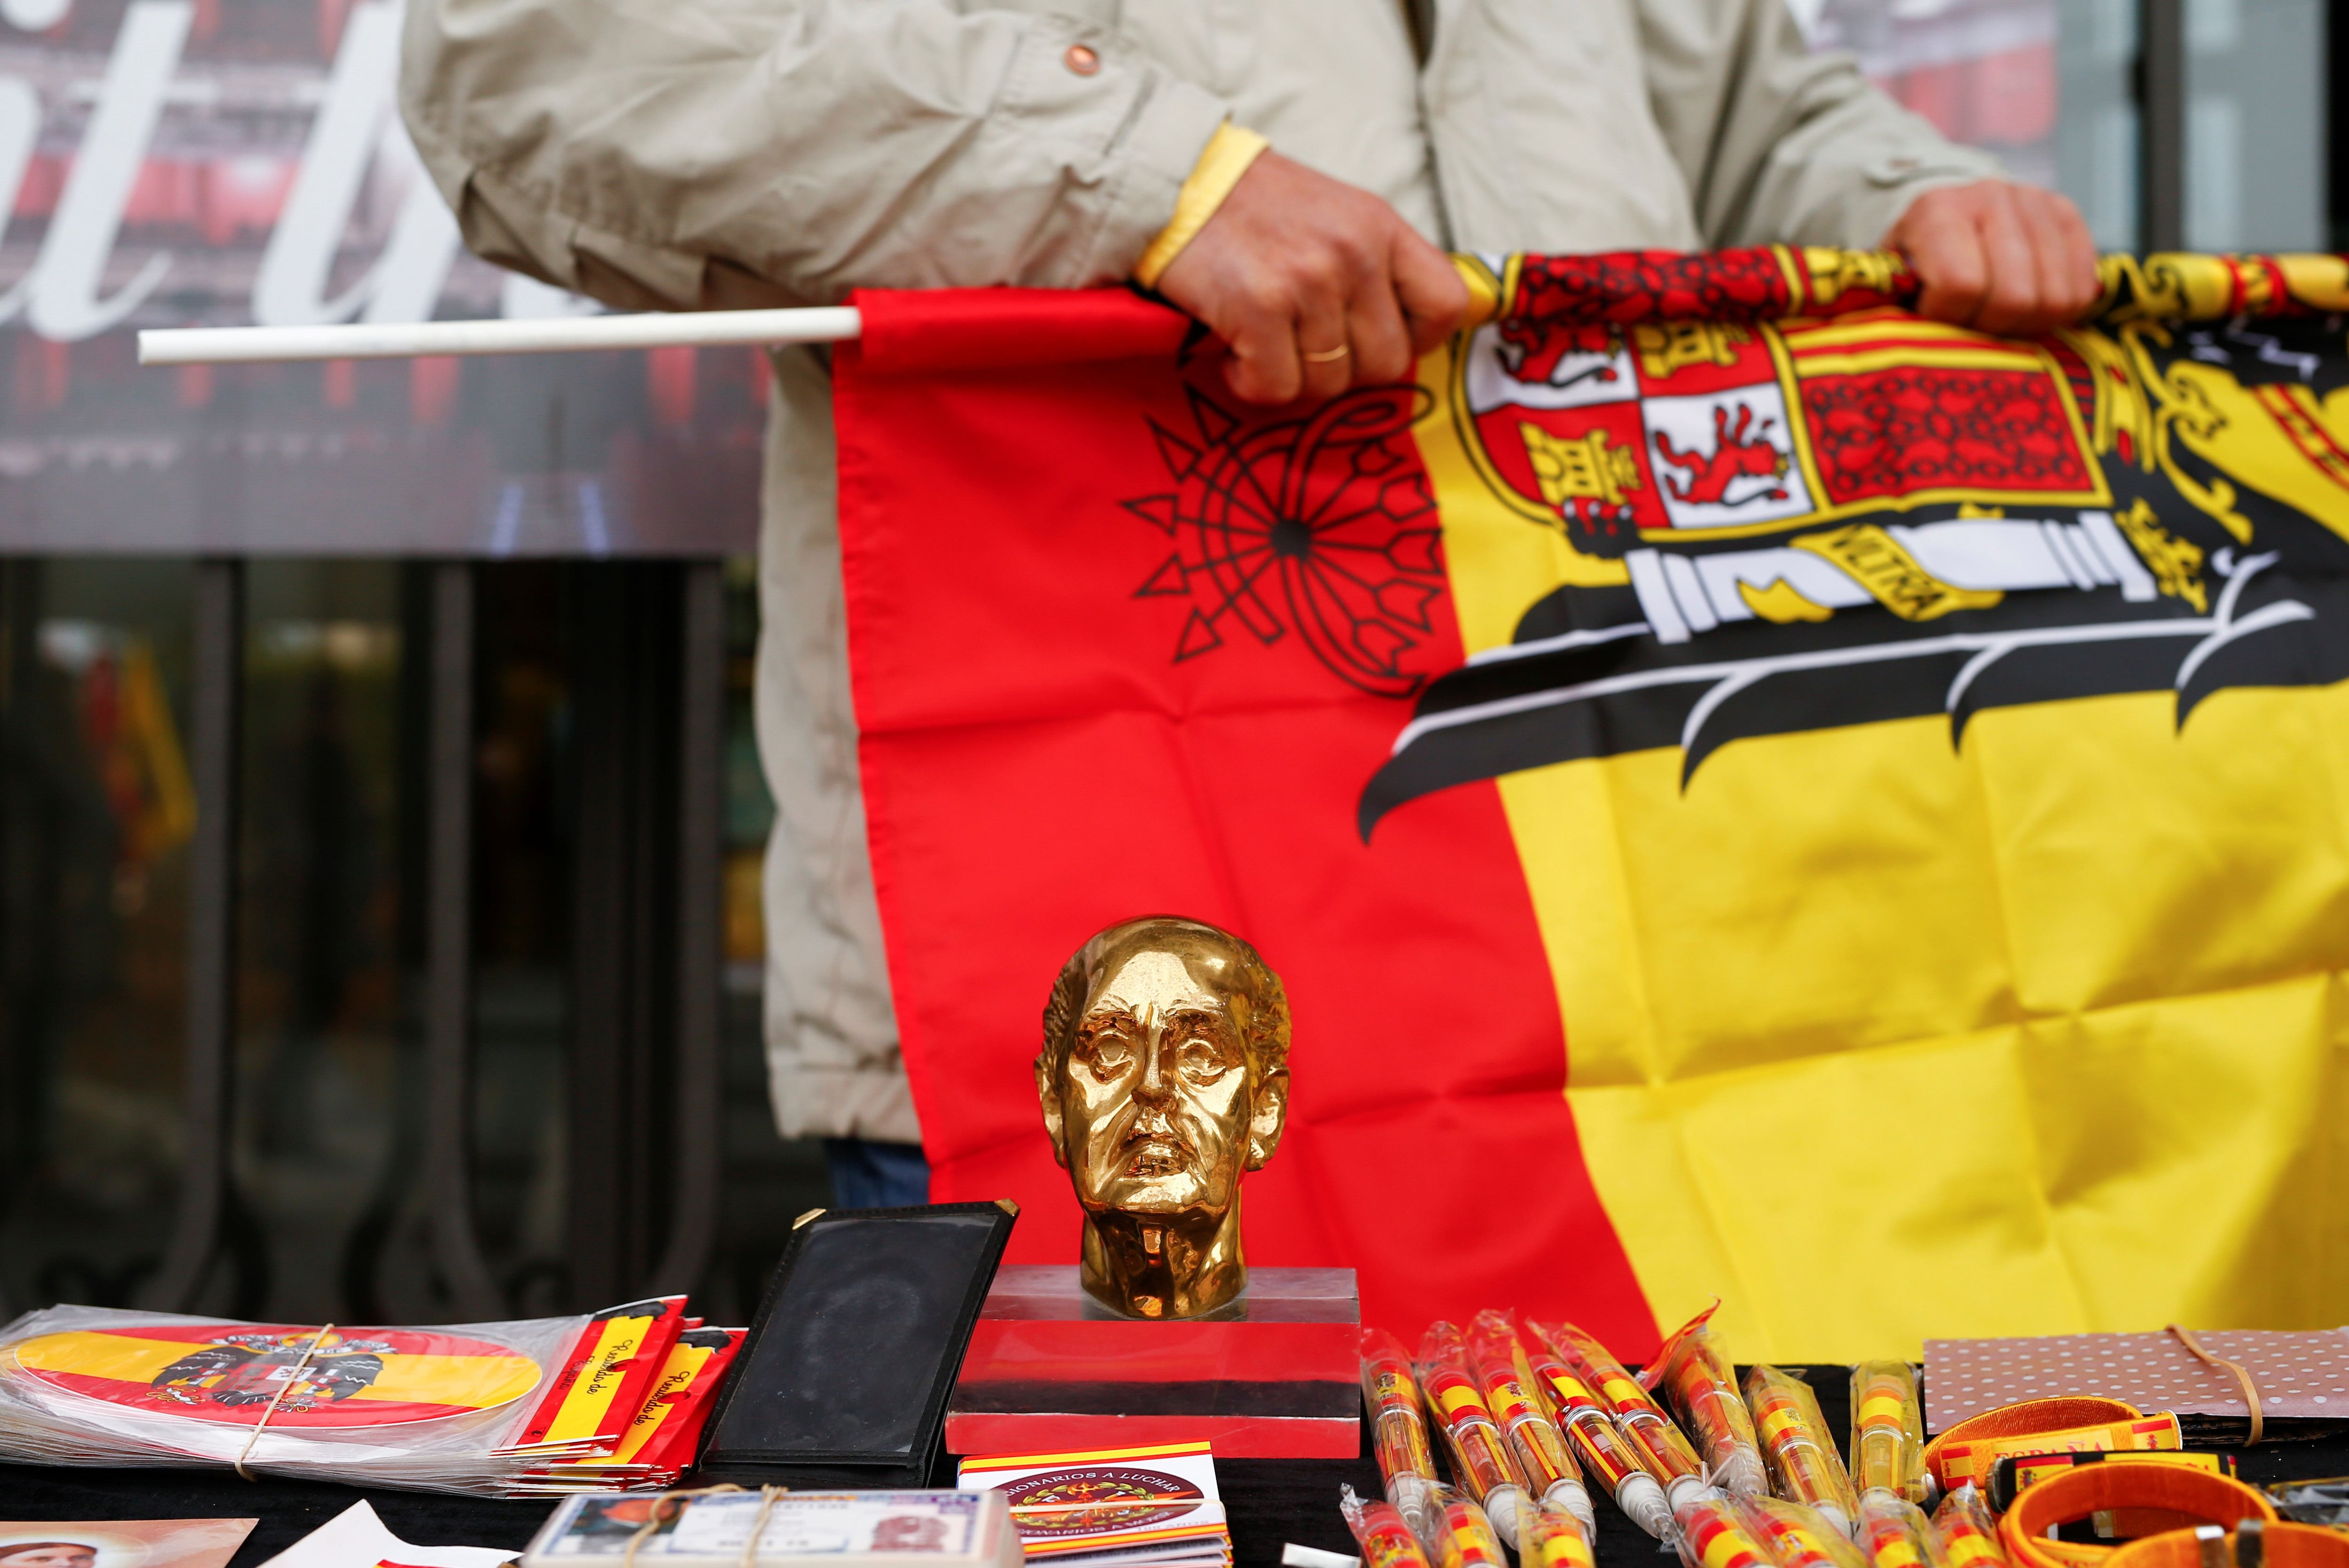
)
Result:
{"points": [[844, 1379]]}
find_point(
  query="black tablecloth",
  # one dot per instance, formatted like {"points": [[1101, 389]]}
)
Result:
{"points": [[1270, 1501]]}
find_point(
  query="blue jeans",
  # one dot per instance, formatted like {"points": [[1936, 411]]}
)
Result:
{"points": [[869, 1175]]}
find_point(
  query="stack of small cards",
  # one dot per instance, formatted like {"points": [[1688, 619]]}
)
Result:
{"points": [[794, 1530], [1153, 1507]]}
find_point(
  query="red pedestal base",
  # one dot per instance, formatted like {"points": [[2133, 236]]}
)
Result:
{"points": [[1041, 1376]]}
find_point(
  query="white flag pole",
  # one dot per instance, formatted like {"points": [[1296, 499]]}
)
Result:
{"points": [[548, 335]]}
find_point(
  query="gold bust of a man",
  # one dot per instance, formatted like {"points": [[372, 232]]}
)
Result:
{"points": [[1163, 1078]]}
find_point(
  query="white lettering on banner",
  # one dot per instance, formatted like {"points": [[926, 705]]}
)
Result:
{"points": [[66, 278], [20, 126], [356, 135], [424, 241], [34, 16], [356, 126]]}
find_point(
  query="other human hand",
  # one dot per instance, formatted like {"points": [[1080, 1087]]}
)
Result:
{"points": [[2007, 259], [1317, 285]]}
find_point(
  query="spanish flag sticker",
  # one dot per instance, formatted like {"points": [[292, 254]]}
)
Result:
{"points": [[607, 1376], [680, 1439], [696, 1363]]}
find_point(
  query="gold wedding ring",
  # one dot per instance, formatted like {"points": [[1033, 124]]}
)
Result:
{"points": [[1327, 355]]}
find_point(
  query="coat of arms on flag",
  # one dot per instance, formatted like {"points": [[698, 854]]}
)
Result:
{"points": [[1752, 792], [1869, 516]]}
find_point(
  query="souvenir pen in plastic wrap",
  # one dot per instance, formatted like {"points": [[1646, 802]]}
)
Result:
{"points": [[1896, 1533], [1590, 1431], [1797, 1535], [1804, 1464], [1507, 1384], [1969, 1535], [1888, 1430], [1398, 1429], [1462, 1536], [1481, 1459], [1380, 1530], [1713, 1535], [1700, 1388], [1664, 1451], [1556, 1538]]}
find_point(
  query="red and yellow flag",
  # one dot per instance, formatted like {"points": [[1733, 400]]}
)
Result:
{"points": [[300, 1378], [1750, 792]]}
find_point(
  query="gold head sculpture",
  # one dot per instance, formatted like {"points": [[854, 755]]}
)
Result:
{"points": [[1163, 1079]]}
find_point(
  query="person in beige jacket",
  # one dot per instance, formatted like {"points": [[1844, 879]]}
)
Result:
{"points": [[1289, 171]]}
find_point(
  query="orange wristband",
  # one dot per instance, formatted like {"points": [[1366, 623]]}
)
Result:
{"points": [[2179, 1499], [2281, 1545]]}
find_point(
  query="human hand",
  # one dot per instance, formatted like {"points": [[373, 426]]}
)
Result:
{"points": [[2007, 259], [1317, 285]]}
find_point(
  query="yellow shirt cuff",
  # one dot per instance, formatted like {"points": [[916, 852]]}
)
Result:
{"points": [[1484, 292], [1228, 154]]}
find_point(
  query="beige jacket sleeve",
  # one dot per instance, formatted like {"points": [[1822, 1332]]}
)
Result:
{"points": [[1779, 144], [691, 153]]}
